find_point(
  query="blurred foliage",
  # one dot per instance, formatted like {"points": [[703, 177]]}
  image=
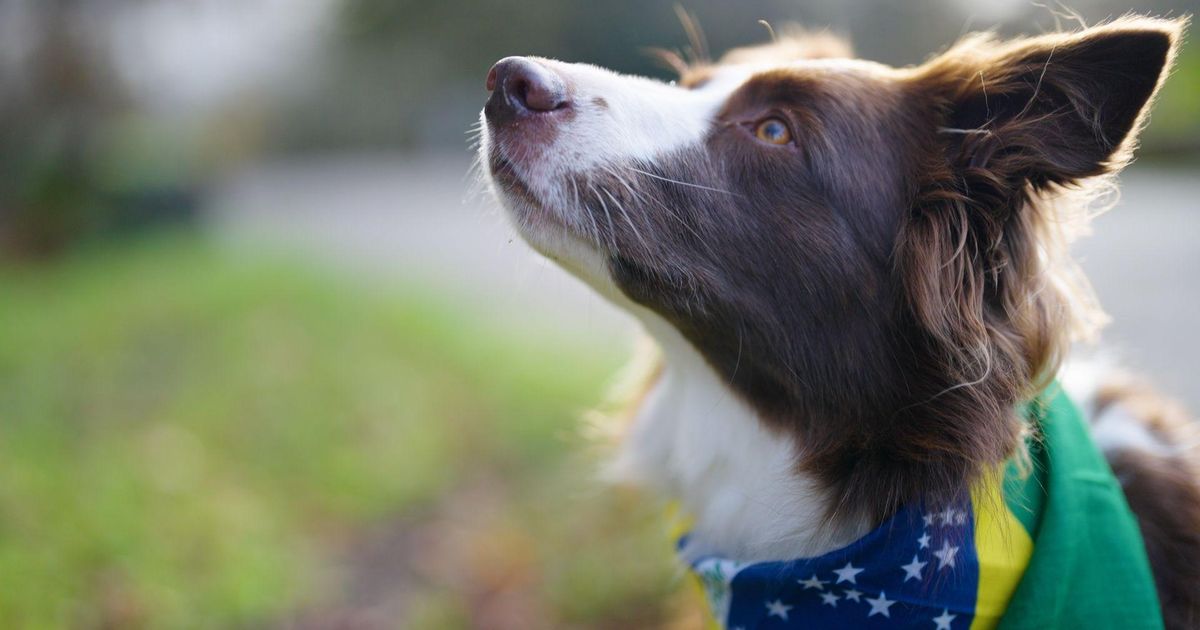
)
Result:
{"points": [[48, 134], [77, 157], [188, 437], [1174, 130], [81, 154], [410, 73]]}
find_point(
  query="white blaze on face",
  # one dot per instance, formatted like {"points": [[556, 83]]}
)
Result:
{"points": [[640, 119]]}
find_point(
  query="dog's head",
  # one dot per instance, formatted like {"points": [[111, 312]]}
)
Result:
{"points": [[869, 256]]}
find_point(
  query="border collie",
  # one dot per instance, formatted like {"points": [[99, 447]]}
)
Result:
{"points": [[858, 280]]}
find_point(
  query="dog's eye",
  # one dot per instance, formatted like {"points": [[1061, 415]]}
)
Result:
{"points": [[774, 131]]}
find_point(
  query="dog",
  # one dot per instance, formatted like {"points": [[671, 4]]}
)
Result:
{"points": [[858, 282]]}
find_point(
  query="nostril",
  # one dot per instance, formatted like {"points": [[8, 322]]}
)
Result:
{"points": [[519, 88], [540, 93], [491, 78], [526, 85]]}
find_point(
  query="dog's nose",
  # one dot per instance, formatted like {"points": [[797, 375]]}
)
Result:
{"points": [[520, 85]]}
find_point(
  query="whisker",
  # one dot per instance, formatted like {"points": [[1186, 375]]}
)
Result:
{"points": [[587, 211], [638, 234], [675, 181], [654, 201], [475, 180], [612, 231]]}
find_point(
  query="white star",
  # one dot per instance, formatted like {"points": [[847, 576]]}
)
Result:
{"points": [[923, 541], [960, 517], [945, 555], [853, 595], [947, 516], [912, 570], [847, 573], [928, 518], [830, 599], [778, 609], [813, 582], [943, 621], [880, 606]]}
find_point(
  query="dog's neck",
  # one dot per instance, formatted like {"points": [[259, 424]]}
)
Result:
{"points": [[700, 444]]}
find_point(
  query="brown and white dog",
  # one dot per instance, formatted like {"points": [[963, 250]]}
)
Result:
{"points": [[855, 273]]}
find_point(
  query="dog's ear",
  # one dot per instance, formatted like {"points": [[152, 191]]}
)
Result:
{"points": [[1055, 108], [987, 284], [1012, 121]]}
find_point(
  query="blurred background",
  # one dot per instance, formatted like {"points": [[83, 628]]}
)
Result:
{"points": [[267, 361]]}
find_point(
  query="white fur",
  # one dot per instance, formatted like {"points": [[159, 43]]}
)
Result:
{"points": [[697, 442], [644, 118], [1116, 428], [1081, 378]]}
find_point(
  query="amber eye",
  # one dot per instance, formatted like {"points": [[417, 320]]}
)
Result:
{"points": [[773, 130]]}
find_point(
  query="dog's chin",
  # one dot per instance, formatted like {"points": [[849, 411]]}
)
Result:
{"points": [[543, 227]]}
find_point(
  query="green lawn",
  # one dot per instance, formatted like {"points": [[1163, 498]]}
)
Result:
{"points": [[191, 438]]}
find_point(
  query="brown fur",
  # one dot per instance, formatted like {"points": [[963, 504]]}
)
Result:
{"points": [[922, 329], [976, 253], [1163, 490], [961, 305]]}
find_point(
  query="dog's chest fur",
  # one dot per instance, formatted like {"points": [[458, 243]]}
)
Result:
{"points": [[695, 440]]}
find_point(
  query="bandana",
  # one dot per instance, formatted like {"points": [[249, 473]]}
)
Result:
{"points": [[1054, 547]]}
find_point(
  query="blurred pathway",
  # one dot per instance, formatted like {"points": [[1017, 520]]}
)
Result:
{"points": [[424, 220], [393, 217]]}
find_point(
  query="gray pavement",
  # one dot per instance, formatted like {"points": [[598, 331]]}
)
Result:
{"points": [[423, 220], [1143, 259], [414, 218]]}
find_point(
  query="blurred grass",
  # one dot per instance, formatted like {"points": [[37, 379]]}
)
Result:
{"points": [[190, 437]]}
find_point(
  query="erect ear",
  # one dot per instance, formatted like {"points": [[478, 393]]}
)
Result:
{"points": [[982, 275], [1055, 108]]}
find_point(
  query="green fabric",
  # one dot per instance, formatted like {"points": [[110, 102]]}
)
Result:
{"points": [[1089, 566]]}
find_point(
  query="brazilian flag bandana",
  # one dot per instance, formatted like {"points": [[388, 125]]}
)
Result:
{"points": [[1054, 547]]}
